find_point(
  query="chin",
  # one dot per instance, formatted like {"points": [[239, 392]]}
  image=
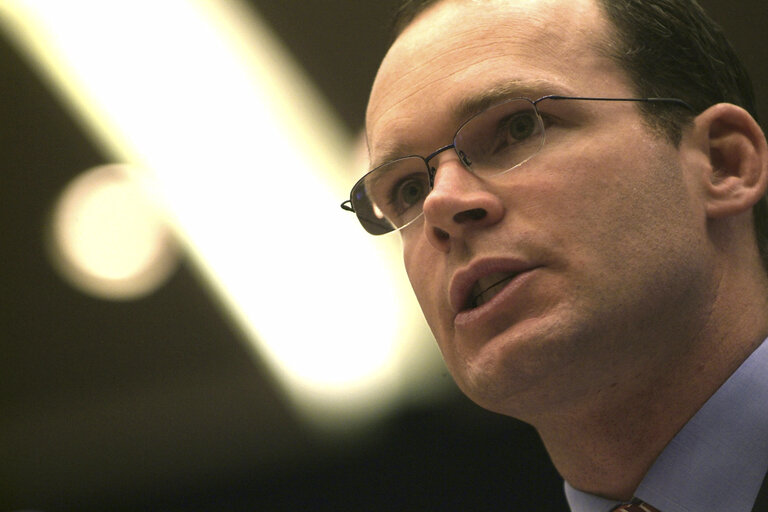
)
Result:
{"points": [[514, 372]]}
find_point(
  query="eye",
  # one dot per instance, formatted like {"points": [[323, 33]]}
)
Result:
{"points": [[521, 126], [408, 192], [515, 133], [500, 137]]}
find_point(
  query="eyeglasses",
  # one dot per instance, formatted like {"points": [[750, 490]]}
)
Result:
{"points": [[490, 143]]}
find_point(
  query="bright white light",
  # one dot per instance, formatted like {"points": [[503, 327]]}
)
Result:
{"points": [[109, 238], [253, 165]]}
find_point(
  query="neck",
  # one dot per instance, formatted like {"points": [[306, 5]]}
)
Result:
{"points": [[607, 450], [606, 445]]}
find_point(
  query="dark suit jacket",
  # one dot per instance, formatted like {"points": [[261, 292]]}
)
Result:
{"points": [[761, 504]]}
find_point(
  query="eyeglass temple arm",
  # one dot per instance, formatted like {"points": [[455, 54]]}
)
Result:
{"points": [[676, 101], [347, 205]]}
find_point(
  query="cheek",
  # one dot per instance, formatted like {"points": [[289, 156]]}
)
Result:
{"points": [[616, 190], [637, 222], [427, 277], [415, 259], [603, 216]]}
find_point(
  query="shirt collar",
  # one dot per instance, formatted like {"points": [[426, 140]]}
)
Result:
{"points": [[718, 460], [580, 501]]}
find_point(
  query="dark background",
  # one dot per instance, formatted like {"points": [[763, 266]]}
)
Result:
{"points": [[156, 405]]}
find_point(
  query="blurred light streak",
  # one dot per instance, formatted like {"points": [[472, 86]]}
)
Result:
{"points": [[251, 163]]}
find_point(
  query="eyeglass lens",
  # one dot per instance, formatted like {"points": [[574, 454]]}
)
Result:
{"points": [[492, 142]]}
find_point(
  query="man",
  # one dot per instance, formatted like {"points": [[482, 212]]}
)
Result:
{"points": [[586, 246]]}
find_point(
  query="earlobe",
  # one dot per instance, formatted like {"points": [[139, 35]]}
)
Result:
{"points": [[736, 174]]}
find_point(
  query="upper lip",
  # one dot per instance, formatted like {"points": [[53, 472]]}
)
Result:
{"points": [[465, 278]]}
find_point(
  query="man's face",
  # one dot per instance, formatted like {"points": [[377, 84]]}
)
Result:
{"points": [[599, 239]]}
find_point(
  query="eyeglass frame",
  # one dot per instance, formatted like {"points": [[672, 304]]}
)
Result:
{"points": [[432, 171]]}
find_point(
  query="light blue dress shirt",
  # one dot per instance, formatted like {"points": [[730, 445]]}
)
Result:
{"points": [[717, 462]]}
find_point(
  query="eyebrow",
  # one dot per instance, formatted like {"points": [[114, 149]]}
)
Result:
{"points": [[475, 103], [531, 89], [391, 151]]}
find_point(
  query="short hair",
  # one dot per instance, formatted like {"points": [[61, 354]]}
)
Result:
{"points": [[668, 48]]}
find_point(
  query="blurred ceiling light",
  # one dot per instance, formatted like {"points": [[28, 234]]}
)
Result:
{"points": [[108, 238], [250, 161]]}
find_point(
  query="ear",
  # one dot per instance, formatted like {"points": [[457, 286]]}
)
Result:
{"points": [[736, 171]]}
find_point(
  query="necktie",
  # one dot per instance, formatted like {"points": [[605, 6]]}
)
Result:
{"points": [[635, 506]]}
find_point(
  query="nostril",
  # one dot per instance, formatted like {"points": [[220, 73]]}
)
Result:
{"points": [[470, 215], [440, 234]]}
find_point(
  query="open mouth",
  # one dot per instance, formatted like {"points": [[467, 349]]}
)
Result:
{"points": [[487, 288]]}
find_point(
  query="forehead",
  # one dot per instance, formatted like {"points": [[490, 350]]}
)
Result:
{"points": [[458, 50]]}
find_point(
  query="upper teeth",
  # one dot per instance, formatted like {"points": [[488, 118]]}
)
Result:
{"points": [[487, 287]]}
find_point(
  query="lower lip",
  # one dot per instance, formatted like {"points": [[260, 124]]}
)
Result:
{"points": [[500, 302]]}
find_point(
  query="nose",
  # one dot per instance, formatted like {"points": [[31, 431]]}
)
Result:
{"points": [[460, 202]]}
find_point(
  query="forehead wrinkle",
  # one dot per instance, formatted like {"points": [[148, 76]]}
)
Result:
{"points": [[438, 66]]}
